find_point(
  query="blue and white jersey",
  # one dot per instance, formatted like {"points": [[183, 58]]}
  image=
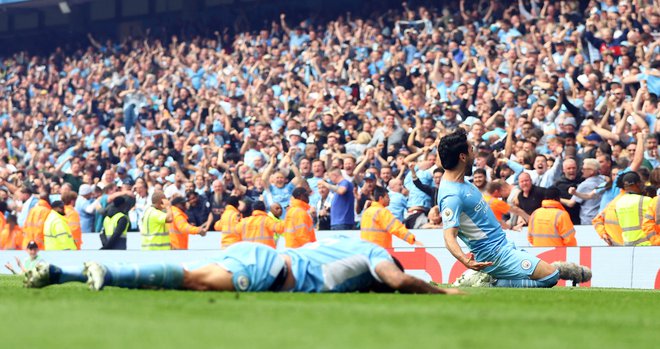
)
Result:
{"points": [[254, 266], [462, 206], [338, 264]]}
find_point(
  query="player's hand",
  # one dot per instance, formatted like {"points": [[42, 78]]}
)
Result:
{"points": [[474, 265], [10, 268], [607, 239], [571, 191], [418, 243]]}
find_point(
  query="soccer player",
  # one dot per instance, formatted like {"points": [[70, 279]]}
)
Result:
{"points": [[467, 216], [331, 265]]}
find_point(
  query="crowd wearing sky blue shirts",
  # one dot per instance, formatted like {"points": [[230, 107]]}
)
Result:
{"points": [[368, 93]]}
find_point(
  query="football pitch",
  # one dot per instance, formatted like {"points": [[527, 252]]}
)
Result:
{"points": [[70, 316]]}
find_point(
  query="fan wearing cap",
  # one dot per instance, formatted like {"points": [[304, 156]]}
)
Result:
{"points": [[365, 193], [28, 262], [180, 228], [296, 139], [57, 234], [630, 208]]}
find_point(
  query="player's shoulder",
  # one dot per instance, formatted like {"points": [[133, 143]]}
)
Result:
{"points": [[450, 189]]}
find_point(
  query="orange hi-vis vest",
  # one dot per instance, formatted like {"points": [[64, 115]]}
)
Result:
{"points": [[73, 220], [298, 224], [378, 224], [550, 225], [34, 224], [230, 217], [259, 228], [11, 239], [608, 222], [651, 222], [498, 206], [3, 222], [180, 229]]}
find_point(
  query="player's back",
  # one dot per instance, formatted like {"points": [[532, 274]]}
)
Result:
{"points": [[462, 205], [338, 264], [254, 266]]}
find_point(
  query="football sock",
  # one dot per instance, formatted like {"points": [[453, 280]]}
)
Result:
{"points": [[169, 276], [547, 281], [60, 275]]}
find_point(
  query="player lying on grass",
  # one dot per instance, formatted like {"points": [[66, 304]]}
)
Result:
{"points": [[329, 265], [466, 215]]}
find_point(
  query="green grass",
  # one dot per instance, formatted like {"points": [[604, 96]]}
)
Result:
{"points": [[70, 316]]}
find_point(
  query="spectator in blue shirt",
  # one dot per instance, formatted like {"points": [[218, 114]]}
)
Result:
{"points": [[278, 190], [398, 201], [85, 208], [342, 215]]}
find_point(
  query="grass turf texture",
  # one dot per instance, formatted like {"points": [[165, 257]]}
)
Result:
{"points": [[70, 316]]}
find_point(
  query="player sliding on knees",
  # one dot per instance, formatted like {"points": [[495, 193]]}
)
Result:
{"points": [[329, 265], [467, 216]]}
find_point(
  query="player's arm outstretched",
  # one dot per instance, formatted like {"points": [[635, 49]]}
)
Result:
{"points": [[453, 247], [393, 277]]}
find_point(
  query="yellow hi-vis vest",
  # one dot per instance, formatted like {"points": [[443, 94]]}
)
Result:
{"points": [[57, 234], [155, 235], [630, 210], [110, 223]]}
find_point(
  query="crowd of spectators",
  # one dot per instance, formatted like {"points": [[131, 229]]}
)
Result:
{"points": [[552, 93]]}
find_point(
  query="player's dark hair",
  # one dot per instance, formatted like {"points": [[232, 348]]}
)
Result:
{"points": [[451, 147], [379, 192], [258, 205]]}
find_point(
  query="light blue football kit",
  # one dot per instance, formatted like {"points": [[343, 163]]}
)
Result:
{"points": [[337, 264], [330, 265], [462, 206], [254, 266]]}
